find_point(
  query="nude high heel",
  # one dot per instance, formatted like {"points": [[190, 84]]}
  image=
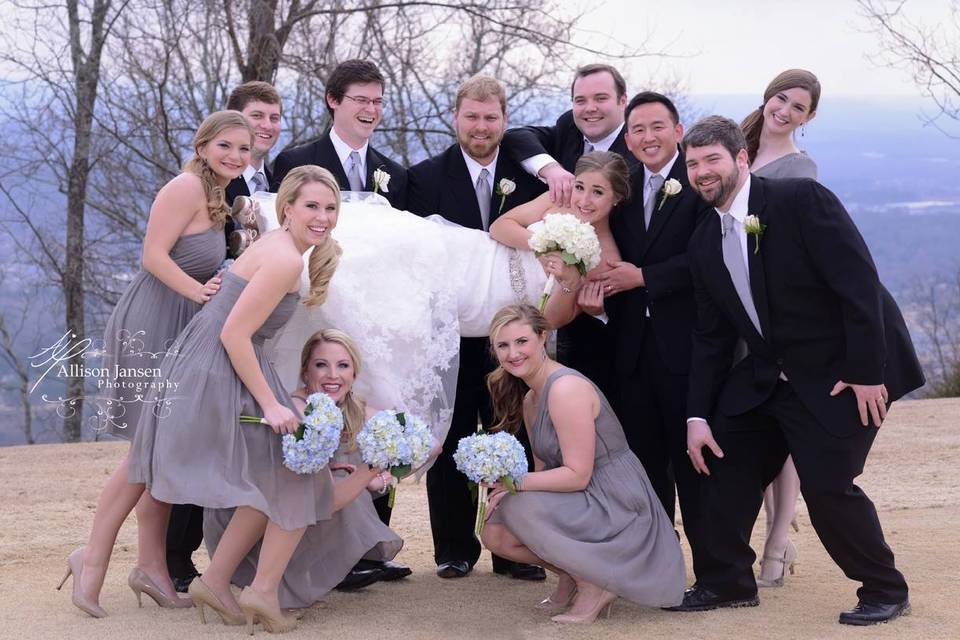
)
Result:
{"points": [[202, 596], [552, 607], [788, 561], [80, 601], [255, 608], [604, 605], [140, 583]]}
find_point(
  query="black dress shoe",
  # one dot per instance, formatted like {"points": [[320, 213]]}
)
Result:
{"points": [[521, 571], [359, 579], [866, 613], [700, 599], [453, 569], [182, 583], [391, 570]]}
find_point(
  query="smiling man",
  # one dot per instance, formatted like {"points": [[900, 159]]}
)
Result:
{"points": [[463, 184], [260, 103], [354, 99]]}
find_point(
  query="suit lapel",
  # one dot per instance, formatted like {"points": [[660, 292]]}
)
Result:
{"points": [[374, 162], [465, 193], [661, 214], [327, 157], [758, 286]]}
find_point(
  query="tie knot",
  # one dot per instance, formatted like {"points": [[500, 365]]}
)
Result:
{"points": [[355, 156], [656, 181], [484, 174], [726, 223]]}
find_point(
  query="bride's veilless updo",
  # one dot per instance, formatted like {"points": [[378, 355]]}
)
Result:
{"points": [[752, 125], [506, 390], [353, 407], [325, 257], [215, 124]]}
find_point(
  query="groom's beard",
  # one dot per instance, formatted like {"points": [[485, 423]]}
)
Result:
{"points": [[717, 193]]}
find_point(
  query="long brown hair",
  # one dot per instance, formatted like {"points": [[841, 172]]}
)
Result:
{"points": [[325, 257], [789, 79], [352, 406], [506, 390], [215, 124]]}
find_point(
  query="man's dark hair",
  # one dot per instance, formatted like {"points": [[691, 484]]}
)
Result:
{"points": [[715, 130], [349, 72], [253, 91], [590, 69], [649, 97]]}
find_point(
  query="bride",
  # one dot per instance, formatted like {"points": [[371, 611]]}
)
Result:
{"points": [[407, 288]]}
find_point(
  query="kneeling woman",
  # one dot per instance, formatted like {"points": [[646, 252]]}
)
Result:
{"points": [[587, 511]]}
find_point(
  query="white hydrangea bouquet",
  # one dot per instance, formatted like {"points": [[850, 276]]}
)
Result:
{"points": [[397, 441], [488, 458], [576, 241], [310, 447]]}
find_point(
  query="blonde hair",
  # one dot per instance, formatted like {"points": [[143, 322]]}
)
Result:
{"points": [[482, 87], [325, 257], [506, 390], [752, 125], [352, 406], [215, 124]]}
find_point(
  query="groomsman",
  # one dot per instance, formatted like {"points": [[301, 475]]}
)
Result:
{"points": [[652, 312], [594, 123], [354, 98], [781, 267], [260, 103], [465, 185]]}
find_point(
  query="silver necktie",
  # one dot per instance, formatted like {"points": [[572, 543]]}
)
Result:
{"points": [[733, 259], [656, 183], [483, 197], [259, 182], [353, 176], [587, 147]]}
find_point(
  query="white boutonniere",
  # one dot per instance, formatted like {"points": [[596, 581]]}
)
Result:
{"points": [[755, 228], [505, 187], [380, 181], [670, 188]]}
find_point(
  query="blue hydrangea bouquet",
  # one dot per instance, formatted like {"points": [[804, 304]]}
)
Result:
{"points": [[397, 441], [310, 447], [486, 458]]}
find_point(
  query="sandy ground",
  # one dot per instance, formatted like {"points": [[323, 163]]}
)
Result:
{"points": [[49, 492]]}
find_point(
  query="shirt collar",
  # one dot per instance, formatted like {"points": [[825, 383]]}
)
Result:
{"points": [[605, 143], [475, 167], [741, 203], [664, 172], [343, 150], [251, 170]]}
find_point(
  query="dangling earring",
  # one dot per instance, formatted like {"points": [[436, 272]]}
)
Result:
{"points": [[803, 129]]}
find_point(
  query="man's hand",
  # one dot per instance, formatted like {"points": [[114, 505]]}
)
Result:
{"points": [[871, 400], [590, 298], [698, 436], [560, 182], [622, 276]]}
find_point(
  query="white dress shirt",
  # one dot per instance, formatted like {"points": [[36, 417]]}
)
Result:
{"points": [[343, 152], [475, 168], [534, 164]]}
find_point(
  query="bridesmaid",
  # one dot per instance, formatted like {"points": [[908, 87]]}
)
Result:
{"points": [[789, 103], [197, 451], [182, 250], [329, 363], [587, 511], [602, 182]]}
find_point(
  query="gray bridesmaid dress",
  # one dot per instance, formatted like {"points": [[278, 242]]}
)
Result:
{"points": [[614, 533], [143, 327], [792, 165], [327, 551], [194, 450]]}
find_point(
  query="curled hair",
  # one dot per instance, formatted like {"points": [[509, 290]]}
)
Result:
{"points": [[215, 124], [352, 406], [715, 130], [506, 390], [325, 257], [752, 125], [482, 87], [611, 166]]}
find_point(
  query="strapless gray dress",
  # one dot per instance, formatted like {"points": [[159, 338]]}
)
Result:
{"points": [[193, 448], [142, 329], [614, 533], [327, 551]]}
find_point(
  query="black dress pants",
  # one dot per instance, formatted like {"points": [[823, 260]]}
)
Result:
{"points": [[184, 535]]}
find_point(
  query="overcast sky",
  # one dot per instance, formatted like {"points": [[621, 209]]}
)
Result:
{"points": [[738, 46]]}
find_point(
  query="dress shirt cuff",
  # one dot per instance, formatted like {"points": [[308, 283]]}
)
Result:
{"points": [[689, 420], [533, 164], [602, 317]]}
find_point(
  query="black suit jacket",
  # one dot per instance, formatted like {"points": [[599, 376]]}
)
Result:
{"points": [[823, 313], [238, 187], [321, 153], [563, 141], [442, 185], [661, 252]]}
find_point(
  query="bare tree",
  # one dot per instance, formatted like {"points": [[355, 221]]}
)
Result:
{"points": [[935, 311]]}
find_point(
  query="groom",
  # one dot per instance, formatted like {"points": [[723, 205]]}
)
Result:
{"points": [[781, 267]]}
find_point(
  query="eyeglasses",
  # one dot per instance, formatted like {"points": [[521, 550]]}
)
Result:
{"points": [[364, 101]]}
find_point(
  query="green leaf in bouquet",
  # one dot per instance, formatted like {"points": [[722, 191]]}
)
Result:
{"points": [[509, 484], [401, 471], [401, 419], [474, 491], [298, 434]]}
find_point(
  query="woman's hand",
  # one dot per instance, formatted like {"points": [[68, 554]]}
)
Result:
{"points": [[280, 418], [566, 274], [343, 466], [494, 486], [590, 297], [493, 501], [207, 290], [380, 482]]}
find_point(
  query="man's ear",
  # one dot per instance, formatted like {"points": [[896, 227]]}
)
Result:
{"points": [[331, 101]]}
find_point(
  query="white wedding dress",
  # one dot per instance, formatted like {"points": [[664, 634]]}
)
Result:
{"points": [[406, 289]]}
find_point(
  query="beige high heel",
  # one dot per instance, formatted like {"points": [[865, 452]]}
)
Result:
{"points": [[255, 608], [604, 605], [80, 601], [788, 561], [141, 583], [202, 596], [552, 607]]}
